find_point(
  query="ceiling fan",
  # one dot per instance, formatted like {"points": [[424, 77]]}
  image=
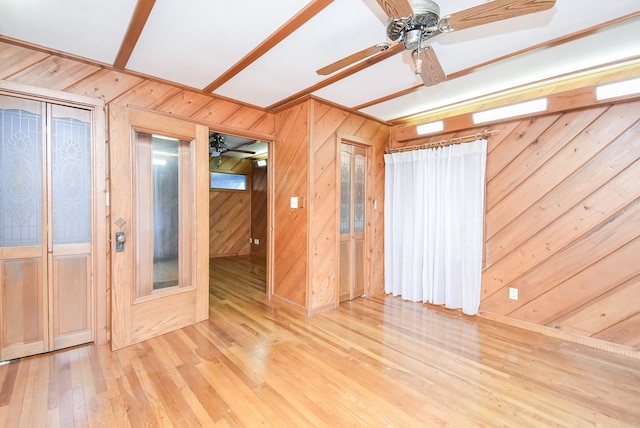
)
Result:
{"points": [[217, 146], [413, 22]]}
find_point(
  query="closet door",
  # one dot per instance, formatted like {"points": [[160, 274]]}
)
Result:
{"points": [[69, 237], [23, 257], [45, 227], [353, 196]]}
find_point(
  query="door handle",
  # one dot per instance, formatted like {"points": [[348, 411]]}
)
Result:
{"points": [[120, 240]]}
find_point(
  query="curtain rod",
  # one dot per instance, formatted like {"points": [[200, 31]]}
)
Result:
{"points": [[443, 143]]}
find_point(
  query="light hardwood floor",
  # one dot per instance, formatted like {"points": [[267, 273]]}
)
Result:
{"points": [[376, 361]]}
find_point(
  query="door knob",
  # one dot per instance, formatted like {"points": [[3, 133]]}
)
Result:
{"points": [[120, 240]]}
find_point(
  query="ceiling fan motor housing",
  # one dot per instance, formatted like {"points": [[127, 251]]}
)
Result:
{"points": [[423, 22]]}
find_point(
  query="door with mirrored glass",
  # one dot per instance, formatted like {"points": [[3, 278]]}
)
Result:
{"points": [[160, 224], [46, 296], [353, 196]]}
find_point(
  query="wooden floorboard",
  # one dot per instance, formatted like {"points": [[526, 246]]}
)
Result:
{"points": [[377, 361]]}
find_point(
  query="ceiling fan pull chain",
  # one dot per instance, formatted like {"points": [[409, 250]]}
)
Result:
{"points": [[417, 61]]}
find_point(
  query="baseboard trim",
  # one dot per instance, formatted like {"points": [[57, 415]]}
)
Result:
{"points": [[615, 348]]}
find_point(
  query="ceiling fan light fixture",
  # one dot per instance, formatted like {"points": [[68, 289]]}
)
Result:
{"points": [[412, 39], [412, 30]]}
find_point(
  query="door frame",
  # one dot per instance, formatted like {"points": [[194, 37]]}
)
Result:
{"points": [[99, 296], [368, 146]]}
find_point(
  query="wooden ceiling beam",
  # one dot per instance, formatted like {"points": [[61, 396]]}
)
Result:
{"points": [[311, 10], [394, 49], [136, 25]]}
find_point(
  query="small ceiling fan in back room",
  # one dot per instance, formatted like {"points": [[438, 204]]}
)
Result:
{"points": [[413, 22], [217, 146]]}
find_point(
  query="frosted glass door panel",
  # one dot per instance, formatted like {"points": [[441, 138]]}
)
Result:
{"points": [[20, 172], [71, 175]]}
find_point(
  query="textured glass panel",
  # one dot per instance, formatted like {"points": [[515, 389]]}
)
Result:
{"points": [[166, 212], [359, 197], [345, 191], [71, 178], [20, 176], [164, 189]]}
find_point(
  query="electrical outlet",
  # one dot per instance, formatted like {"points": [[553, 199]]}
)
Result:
{"points": [[250, 240], [513, 293], [256, 241]]}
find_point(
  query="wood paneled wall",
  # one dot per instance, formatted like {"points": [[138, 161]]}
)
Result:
{"points": [[31, 67], [230, 211], [306, 165], [290, 163], [229, 223], [563, 222], [331, 125]]}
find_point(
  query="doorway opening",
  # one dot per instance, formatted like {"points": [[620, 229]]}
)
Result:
{"points": [[239, 209]]}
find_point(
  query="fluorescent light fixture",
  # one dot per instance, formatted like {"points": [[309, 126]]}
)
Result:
{"points": [[512, 110], [161, 162], [618, 89], [430, 128]]}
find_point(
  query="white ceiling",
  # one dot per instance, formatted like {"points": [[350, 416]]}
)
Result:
{"points": [[194, 42]]}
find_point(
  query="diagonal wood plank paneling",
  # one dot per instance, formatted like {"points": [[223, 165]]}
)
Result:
{"points": [[290, 163], [330, 124], [23, 65], [229, 223], [563, 221], [230, 211]]}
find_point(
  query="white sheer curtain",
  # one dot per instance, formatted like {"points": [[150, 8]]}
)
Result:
{"points": [[433, 224]]}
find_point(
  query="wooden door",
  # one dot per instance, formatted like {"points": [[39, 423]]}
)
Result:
{"points": [[69, 234], [353, 196], [160, 219], [46, 291]]}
